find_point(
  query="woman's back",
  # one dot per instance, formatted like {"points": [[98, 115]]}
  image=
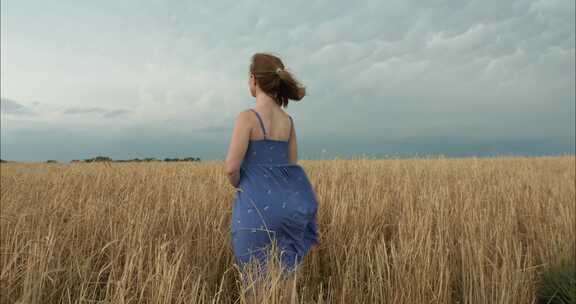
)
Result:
{"points": [[273, 125], [276, 124]]}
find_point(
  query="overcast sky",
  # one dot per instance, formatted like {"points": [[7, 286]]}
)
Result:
{"points": [[156, 78]]}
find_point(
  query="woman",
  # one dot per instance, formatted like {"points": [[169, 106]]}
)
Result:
{"points": [[274, 200]]}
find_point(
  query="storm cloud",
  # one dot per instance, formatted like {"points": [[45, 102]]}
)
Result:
{"points": [[382, 76]]}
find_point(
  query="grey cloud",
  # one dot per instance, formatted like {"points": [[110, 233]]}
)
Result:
{"points": [[9, 106], [96, 110], [393, 62]]}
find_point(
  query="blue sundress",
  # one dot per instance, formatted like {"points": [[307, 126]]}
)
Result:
{"points": [[274, 201]]}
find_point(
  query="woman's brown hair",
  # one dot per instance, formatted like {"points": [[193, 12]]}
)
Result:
{"points": [[275, 80]]}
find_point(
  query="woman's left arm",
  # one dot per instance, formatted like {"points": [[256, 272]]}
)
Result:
{"points": [[237, 148]]}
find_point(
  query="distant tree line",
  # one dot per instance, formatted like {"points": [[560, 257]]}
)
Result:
{"points": [[148, 159], [108, 159]]}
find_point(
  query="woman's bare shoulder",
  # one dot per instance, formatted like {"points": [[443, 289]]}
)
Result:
{"points": [[244, 113], [244, 117]]}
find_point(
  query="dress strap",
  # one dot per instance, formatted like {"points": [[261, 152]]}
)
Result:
{"points": [[291, 126], [261, 123]]}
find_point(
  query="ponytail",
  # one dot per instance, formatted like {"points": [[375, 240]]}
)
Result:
{"points": [[275, 80]]}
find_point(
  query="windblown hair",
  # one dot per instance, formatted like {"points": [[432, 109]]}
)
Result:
{"points": [[280, 85]]}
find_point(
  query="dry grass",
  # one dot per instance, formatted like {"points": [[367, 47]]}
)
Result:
{"points": [[474, 230]]}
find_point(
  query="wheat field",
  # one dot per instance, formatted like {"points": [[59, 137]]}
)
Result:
{"points": [[435, 230]]}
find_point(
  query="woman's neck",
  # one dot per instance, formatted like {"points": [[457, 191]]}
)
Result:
{"points": [[265, 101]]}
